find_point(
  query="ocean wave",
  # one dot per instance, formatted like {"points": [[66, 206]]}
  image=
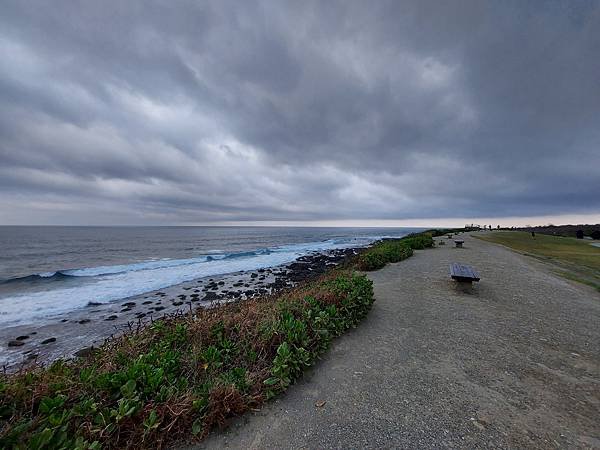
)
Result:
{"points": [[38, 277], [104, 284]]}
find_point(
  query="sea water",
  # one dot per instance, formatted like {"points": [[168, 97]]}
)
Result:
{"points": [[47, 271]]}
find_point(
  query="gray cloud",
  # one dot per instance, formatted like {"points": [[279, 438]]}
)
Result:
{"points": [[154, 112]]}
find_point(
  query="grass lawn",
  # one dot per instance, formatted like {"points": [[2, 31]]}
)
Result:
{"points": [[574, 258]]}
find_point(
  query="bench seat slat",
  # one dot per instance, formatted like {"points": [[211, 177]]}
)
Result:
{"points": [[462, 272]]}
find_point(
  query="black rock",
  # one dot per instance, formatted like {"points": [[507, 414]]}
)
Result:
{"points": [[113, 317], [84, 352], [22, 338], [82, 321], [48, 341], [15, 343]]}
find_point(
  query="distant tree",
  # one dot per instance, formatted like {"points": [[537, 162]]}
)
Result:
{"points": [[579, 234], [595, 234]]}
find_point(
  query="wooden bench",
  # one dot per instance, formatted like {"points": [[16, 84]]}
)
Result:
{"points": [[463, 273], [459, 243]]}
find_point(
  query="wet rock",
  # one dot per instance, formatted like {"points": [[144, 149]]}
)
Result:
{"points": [[140, 315], [159, 308], [94, 304], [253, 275], [113, 317], [210, 296], [146, 302], [177, 303], [64, 320], [82, 321], [15, 343], [48, 341], [32, 356], [22, 338], [84, 352], [129, 304], [125, 310]]}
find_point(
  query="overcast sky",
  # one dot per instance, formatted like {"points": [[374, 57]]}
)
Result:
{"points": [[199, 112]]}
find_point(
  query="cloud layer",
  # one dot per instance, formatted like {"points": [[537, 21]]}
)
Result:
{"points": [[202, 112]]}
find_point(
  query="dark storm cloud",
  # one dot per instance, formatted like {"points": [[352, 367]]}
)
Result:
{"points": [[222, 111]]}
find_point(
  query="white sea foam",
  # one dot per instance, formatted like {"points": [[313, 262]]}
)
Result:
{"points": [[109, 283]]}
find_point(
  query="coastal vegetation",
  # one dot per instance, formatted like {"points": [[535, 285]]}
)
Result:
{"points": [[393, 250], [575, 259], [185, 374]]}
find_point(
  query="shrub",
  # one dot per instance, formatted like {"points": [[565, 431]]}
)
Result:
{"points": [[182, 375], [392, 250]]}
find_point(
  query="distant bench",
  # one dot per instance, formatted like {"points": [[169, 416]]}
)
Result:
{"points": [[463, 273], [459, 243]]}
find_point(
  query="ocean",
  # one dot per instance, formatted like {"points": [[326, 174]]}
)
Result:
{"points": [[48, 271]]}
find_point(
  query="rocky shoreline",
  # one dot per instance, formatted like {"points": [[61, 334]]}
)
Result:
{"points": [[74, 334]]}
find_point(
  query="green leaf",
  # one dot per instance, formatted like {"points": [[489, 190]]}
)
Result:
{"points": [[197, 426]]}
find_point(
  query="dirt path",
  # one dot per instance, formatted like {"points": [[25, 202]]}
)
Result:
{"points": [[513, 363]]}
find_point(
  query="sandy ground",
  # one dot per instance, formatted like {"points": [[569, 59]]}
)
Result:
{"points": [[513, 362]]}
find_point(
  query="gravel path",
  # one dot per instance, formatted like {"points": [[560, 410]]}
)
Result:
{"points": [[513, 362]]}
